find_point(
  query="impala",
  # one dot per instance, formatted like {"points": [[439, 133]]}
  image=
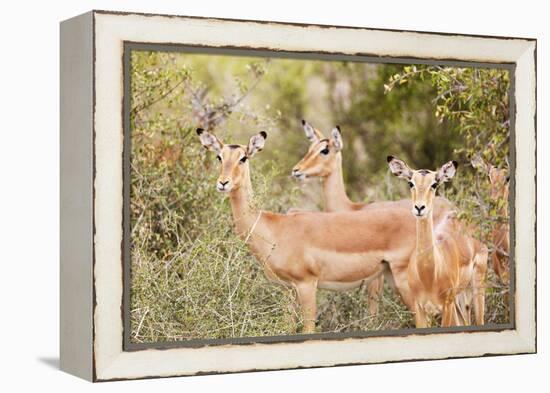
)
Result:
{"points": [[324, 160], [500, 236], [310, 250], [501, 233], [446, 262]]}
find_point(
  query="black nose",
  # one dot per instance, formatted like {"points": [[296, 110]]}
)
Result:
{"points": [[294, 170], [419, 208], [223, 183]]}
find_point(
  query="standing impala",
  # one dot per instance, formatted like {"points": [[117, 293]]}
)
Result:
{"points": [[310, 250], [500, 236], [324, 160], [446, 261]]}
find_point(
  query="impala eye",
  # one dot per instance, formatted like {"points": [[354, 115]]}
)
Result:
{"points": [[411, 185], [243, 160], [434, 185], [324, 151], [219, 158]]}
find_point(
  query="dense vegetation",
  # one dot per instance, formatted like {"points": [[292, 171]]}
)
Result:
{"points": [[191, 277]]}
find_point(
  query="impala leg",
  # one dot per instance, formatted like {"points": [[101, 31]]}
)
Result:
{"points": [[401, 283], [420, 318], [499, 257], [498, 261], [449, 315], [374, 289], [480, 271], [306, 292], [498, 265], [463, 302]]}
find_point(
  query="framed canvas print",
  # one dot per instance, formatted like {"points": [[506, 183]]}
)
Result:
{"points": [[245, 195]]}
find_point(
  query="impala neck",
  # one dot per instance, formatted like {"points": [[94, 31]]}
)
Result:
{"points": [[334, 190], [503, 211], [425, 247], [244, 215]]}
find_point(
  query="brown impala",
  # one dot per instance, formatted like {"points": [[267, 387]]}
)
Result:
{"points": [[446, 263], [499, 179]]}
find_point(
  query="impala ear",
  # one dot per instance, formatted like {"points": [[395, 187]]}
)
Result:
{"points": [[337, 141], [256, 143], [399, 168], [210, 141], [446, 172], [311, 133]]}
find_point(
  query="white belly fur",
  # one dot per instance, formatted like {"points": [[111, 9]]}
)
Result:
{"points": [[344, 286], [338, 286]]}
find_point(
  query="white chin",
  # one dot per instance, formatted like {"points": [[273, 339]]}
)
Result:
{"points": [[223, 190]]}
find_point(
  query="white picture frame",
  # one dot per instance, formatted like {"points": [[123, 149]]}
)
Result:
{"points": [[92, 220]]}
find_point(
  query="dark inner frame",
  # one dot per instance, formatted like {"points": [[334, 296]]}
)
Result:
{"points": [[128, 345]]}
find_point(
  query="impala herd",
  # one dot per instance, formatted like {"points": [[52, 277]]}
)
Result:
{"points": [[429, 256]]}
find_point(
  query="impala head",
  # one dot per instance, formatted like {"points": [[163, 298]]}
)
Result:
{"points": [[234, 170], [423, 183], [321, 156], [499, 180], [498, 177]]}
